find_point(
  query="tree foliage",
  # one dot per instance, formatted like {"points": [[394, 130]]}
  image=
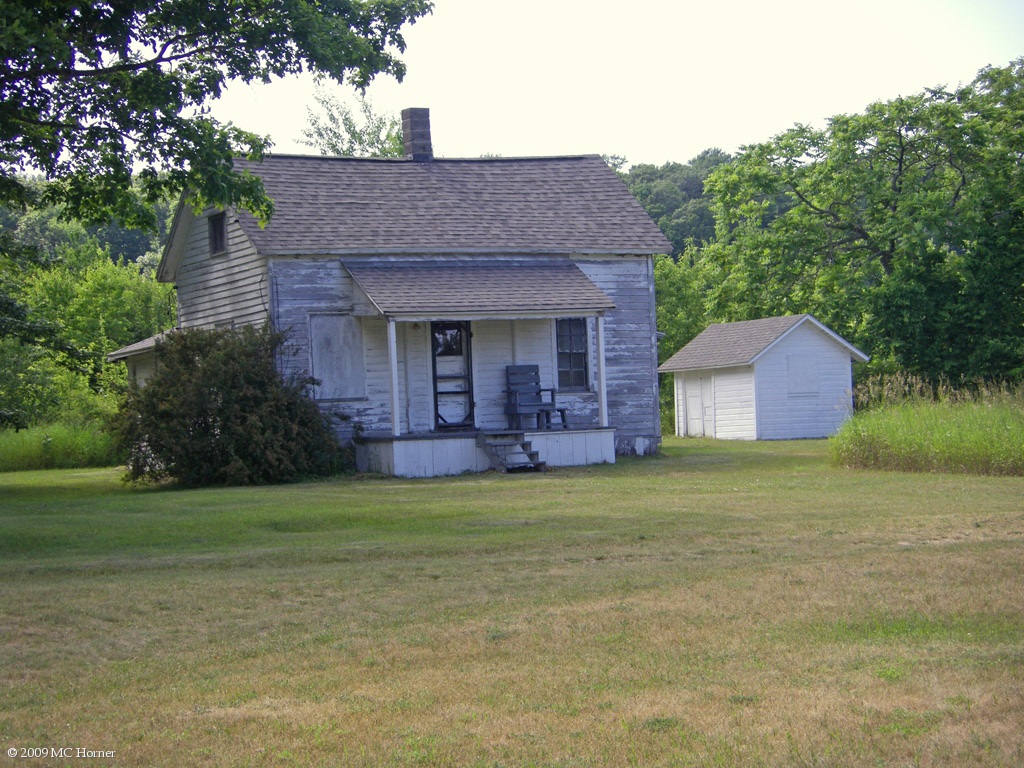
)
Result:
{"points": [[673, 195], [217, 412], [109, 103], [337, 131], [91, 92], [902, 228], [70, 312]]}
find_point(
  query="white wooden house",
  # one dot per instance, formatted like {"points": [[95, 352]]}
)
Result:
{"points": [[780, 378], [408, 285]]}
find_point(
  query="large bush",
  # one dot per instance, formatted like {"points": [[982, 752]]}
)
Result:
{"points": [[217, 412]]}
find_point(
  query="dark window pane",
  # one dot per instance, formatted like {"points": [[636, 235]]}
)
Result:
{"points": [[448, 342], [571, 344]]}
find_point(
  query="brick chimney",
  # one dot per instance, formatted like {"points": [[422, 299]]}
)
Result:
{"points": [[416, 133]]}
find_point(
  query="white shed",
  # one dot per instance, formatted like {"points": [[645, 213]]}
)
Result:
{"points": [[780, 378]]}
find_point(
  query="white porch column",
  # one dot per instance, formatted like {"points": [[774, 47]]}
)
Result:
{"points": [[602, 387], [396, 423]]}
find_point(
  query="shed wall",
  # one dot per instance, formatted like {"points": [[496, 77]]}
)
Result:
{"points": [[787, 408], [725, 397]]}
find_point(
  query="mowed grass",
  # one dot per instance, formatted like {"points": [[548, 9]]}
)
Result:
{"points": [[721, 604]]}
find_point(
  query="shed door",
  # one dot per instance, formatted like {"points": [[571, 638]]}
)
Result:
{"points": [[453, 375], [700, 406]]}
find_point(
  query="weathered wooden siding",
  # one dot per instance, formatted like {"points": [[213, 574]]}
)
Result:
{"points": [[631, 350], [222, 290], [783, 415], [303, 287], [492, 350]]}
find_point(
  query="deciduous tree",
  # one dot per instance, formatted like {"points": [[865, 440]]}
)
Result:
{"points": [[899, 227], [98, 95], [335, 130]]}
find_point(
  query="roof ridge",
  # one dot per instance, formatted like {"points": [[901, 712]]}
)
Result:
{"points": [[406, 159]]}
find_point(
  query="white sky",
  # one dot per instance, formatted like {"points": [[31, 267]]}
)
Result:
{"points": [[654, 80]]}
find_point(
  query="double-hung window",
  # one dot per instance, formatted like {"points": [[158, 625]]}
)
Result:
{"points": [[571, 343]]}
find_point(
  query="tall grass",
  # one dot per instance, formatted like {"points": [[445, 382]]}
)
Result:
{"points": [[57, 446], [906, 424]]}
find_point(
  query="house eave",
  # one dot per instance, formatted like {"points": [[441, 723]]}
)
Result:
{"points": [[444, 314], [411, 251]]}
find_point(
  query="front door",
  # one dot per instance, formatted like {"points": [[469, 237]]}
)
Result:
{"points": [[453, 375]]}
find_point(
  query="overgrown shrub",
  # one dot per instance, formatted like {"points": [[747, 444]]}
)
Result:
{"points": [[217, 412]]}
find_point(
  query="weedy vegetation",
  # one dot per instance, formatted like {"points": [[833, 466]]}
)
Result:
{"points": [[720, 604], [905, 424], [58, 446]]}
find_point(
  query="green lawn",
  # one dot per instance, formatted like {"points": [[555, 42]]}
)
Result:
{"points": [[721, 604]]}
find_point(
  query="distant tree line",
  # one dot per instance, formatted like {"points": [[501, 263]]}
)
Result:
{"points": [[902, 228]]}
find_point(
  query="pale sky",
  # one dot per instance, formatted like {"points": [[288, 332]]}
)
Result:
{"points": [[654, 80]]}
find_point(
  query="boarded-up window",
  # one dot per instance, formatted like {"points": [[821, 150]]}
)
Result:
{"points": [[336, 356], [803, 374]]}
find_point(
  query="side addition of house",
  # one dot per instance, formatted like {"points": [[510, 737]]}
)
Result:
{"points": [[780, 378], [411, 287]]}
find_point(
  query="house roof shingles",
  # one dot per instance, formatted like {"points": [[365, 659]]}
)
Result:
{"points": [[556, 205], [535, 287]]}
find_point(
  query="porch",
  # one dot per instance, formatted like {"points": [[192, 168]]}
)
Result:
{"points": [[441, 402], [456, 452]]}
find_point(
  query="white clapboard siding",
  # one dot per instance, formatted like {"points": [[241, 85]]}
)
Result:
{"points": [[492, 343], [226, 289], [784, 414]]}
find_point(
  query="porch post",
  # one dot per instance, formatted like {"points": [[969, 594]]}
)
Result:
{"points": [[602, 388], [396, 424]]}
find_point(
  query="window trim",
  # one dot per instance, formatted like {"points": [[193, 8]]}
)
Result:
{"points": [[570, 369]]}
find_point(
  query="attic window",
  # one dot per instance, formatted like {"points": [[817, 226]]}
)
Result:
{"points": [[218, 233]]}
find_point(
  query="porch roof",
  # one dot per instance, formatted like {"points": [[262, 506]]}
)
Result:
{"points": [[448, 290]]}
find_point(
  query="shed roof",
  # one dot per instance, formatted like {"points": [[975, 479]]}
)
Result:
{"points": [[742, 343], [344, 205], [456, 289]]}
